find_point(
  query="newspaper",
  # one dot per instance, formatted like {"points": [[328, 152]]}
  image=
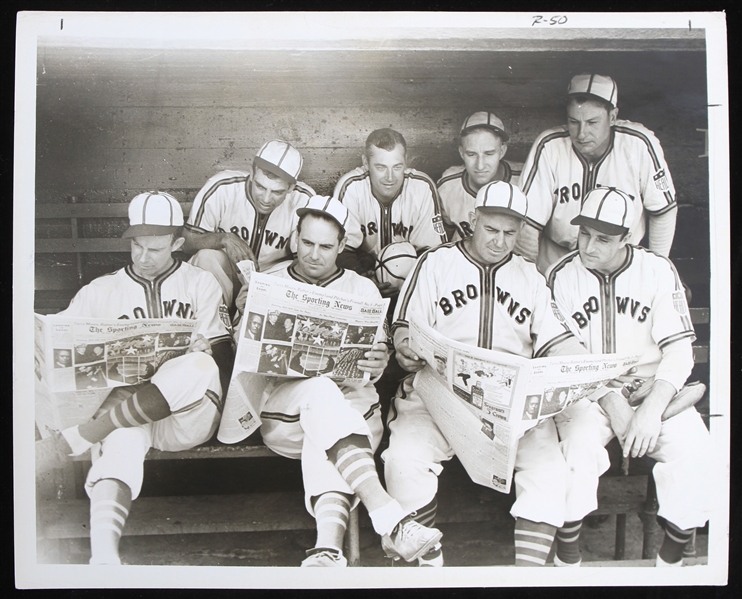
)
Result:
{"points": [[78, 360], [484, 401], [291, 329]]}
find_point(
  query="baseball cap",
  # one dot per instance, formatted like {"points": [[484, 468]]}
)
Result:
{"points": [[154, 213], [502, 197], [485, 119], [600, 86], [280, 158], [332, 207], [607, 210]]}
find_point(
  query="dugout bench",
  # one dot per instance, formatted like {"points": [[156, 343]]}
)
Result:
{"points": [[79, 241]]}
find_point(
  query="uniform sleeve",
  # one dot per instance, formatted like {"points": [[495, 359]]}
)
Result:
{"points": [[211, 312], [560, 294], [417, 296], [206, 211], [537, 182], [86, 303], [548, 325], [669, 312], [428, 230], [658, 190]]}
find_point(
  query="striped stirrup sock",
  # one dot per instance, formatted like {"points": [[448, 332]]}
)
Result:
{"points": [[671, 551], [568, 542], [110, 501], [533, 541], [332, 513]]}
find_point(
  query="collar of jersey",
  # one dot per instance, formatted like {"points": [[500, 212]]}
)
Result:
{"points": [[323, 283], [623, 267], [467, 185], [477, 263], [399, 193], [600, 160], [142, 281]]}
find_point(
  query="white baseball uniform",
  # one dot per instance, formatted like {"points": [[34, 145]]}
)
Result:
{"points": [[303, 418], [640, 308], [556, 178], [413, 215], [189, 383], [505, 307], [458, 197]]}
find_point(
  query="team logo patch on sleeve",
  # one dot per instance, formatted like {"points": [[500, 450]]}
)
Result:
{"points": [[438, 225], [660, 181], [224, 317], [557, 313], [678, 302]]}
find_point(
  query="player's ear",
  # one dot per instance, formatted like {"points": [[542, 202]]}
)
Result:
{"points": [[612, 116], [473, 218], [461, 152], [503, 150], [364, 160], [177, 244], [341, 245]]}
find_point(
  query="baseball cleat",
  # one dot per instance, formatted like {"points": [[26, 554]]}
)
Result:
{"points": [[51, 452], [324, 558], [433, 558], [409, 540]]}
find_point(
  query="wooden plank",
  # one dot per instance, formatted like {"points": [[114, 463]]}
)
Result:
{"points": [[700, 354], [700, 315], [621, 494], [184, 515], [111, 244], [90, 210]]}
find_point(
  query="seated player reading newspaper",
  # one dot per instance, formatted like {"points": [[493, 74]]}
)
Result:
{"points": [[333, 429], [180, 406], [619, 298]]}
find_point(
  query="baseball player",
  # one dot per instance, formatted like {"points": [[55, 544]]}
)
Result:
{"points": [[239, 216], [482, 145], [621, 298], [179, 407], [390, 201], [335, 429], [477, 291], [594, 149]]}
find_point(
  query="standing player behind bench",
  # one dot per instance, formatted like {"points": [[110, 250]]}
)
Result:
{"points": [[594, 149], [248, 216], [477, 291], [391, 202], [482, 145], [180, 406], [333, 429], [620, 298]]}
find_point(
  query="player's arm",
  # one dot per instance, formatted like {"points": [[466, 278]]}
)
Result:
{"points": [[662, 230], [235, 248], [375, 360], [407, 358]]}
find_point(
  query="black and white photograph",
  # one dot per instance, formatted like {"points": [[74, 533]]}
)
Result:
{"points": [[563, 179]]}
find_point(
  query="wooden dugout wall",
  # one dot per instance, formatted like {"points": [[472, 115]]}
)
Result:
{"points": [[114, 121]]}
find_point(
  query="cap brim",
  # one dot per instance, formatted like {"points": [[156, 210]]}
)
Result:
{"points": [[496, 130], [599, 225], [148, 231], [500, 210], [302, 211], [272, 168]]}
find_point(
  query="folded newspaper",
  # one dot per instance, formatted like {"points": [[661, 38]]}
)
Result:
{"points": [[78, 360], [291, 329], [484, 401]]}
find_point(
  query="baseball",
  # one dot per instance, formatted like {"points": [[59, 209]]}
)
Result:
{"points": [[395, 262]]}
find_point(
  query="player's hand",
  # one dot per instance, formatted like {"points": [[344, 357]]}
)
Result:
{"points": [[627, 378], [643, 431], [375, 360], [236, 249], [637, 393], [386, 289], [241, 299], [199, 343], [407, 358]]}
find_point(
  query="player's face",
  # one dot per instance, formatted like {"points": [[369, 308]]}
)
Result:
{"points": [[151, 254], [601, 252], [494, 236], [317, 248], [386, 171], [267, 194], [589, 127], [481, 152]]}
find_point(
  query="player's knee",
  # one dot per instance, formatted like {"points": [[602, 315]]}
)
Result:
{"points": [[320, 389]]}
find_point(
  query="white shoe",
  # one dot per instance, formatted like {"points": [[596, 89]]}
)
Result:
{"points": [[410, 540], [560, 564], [324, 558], [432, 559]]}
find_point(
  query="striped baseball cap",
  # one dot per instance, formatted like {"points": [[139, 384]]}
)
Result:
{"points": [[485, 119], [280, 158], [607, 210], [502, 197], [600, 86], [153, 213], [327, 205]]}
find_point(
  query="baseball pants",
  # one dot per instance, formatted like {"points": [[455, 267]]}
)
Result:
{"points": [[190, 384], [304, 418], [417, 447], [682, 452]]}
